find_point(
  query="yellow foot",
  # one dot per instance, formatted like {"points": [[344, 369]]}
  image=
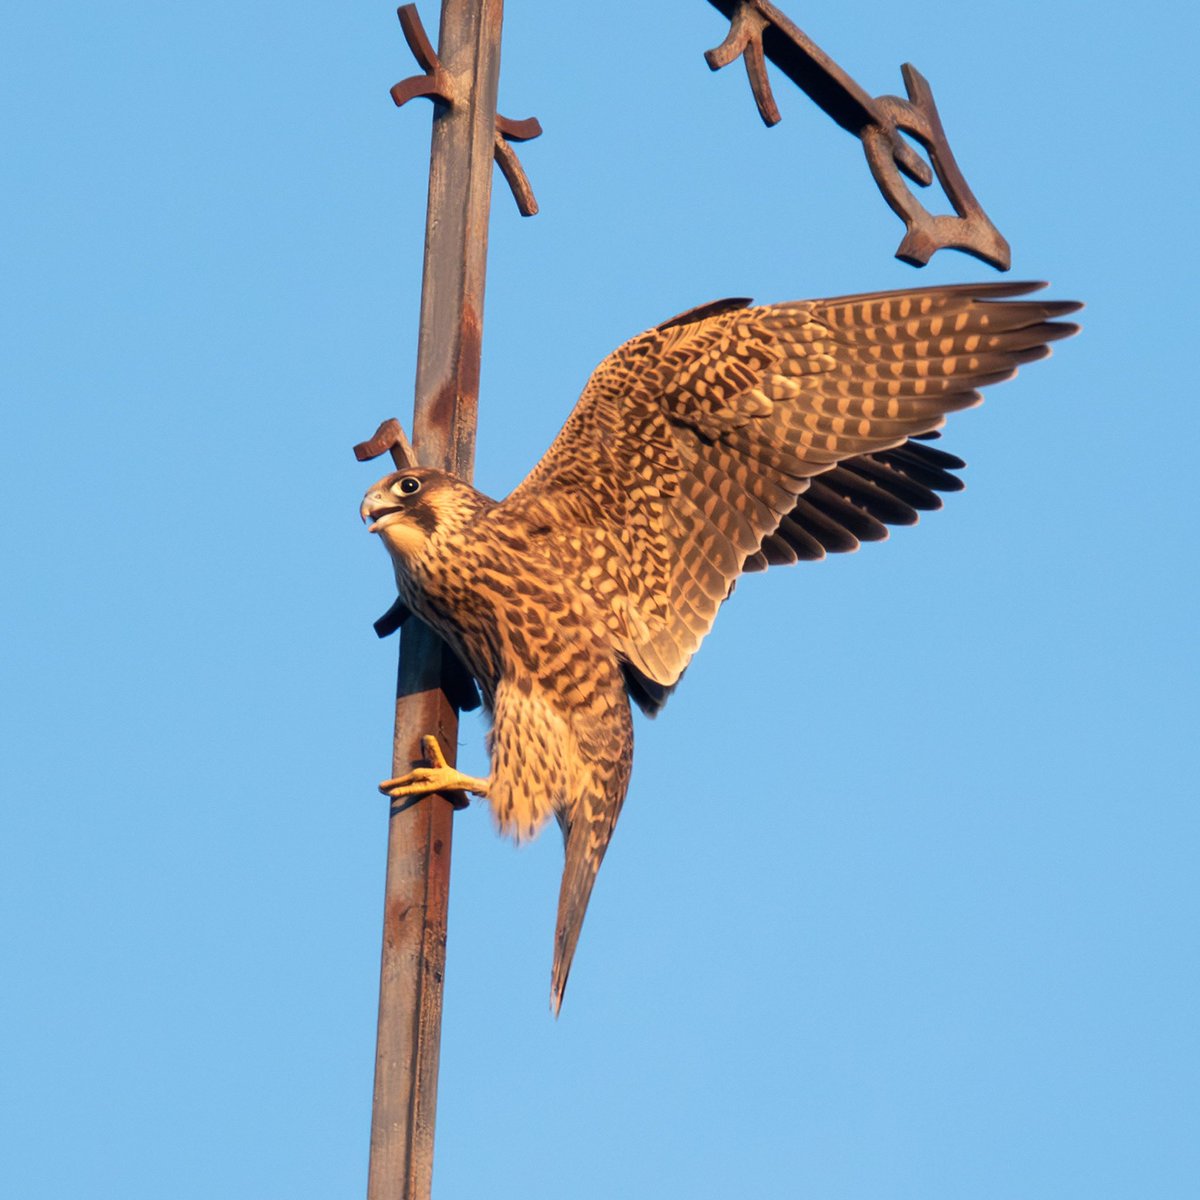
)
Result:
{"points": [[439, 776]]}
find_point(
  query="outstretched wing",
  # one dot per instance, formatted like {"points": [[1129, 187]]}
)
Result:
{"points": [[715, 443]]}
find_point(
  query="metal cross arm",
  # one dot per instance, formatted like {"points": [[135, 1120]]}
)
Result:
{"points": [[439, 84], [759, 31]]}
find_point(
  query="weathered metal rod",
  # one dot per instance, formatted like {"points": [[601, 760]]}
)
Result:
{"points": [[419, 834]]}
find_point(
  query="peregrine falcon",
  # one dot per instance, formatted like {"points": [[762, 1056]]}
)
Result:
{"points": [[727, 439]]}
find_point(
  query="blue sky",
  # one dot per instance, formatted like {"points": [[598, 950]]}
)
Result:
{"points": [[903, 901]]}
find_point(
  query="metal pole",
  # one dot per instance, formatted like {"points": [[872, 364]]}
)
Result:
{"points": [[419, 835]]}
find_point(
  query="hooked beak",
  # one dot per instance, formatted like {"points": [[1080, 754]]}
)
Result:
{"points": [[375, 508]]}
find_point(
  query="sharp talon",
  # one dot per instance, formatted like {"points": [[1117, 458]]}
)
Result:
{"points": [[433, 752]]}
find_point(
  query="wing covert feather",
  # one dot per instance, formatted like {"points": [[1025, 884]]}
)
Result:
{"points": [[692, 453]]}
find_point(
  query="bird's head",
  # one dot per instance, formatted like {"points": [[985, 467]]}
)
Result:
{"points": [[408, 508]]}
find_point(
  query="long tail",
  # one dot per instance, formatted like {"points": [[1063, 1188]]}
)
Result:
{"points": [[586, 842], [596, 791]]}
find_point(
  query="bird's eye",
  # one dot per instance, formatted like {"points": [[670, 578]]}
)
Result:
{"points": [[408, 486]]}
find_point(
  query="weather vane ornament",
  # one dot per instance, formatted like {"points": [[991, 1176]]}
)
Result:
{"points": [[759, 31], [440, 84]]}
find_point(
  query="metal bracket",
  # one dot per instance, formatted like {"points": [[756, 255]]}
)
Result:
{"points": [[389, 436], [758, 31], [442, 87]]}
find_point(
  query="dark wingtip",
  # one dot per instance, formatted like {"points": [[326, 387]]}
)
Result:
{"points": [[1065, 329], [1003, 287]]}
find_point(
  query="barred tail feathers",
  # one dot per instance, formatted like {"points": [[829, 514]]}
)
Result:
{"points": [[587, 823], [584, 853]]}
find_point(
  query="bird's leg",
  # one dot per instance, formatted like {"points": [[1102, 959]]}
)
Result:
{"points": [[440, 776]]}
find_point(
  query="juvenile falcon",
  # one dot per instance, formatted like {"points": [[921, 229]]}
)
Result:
{"points": [[728, 439]]}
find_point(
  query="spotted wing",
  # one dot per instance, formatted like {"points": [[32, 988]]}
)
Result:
{"points": [[719, 441]]}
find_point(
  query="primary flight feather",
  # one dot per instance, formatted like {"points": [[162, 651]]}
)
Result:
{"points": [[725, 440]]}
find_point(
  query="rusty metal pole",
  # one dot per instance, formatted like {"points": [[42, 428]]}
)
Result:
{"points": [[419, 835]]}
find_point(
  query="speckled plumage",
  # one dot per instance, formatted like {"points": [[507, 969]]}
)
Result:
{"points": [[725, 440]]}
